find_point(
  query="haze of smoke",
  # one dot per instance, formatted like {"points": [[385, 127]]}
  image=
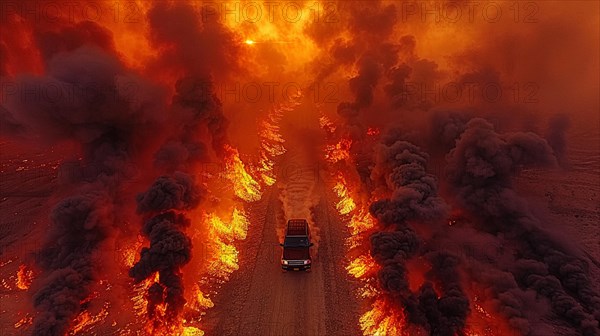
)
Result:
{"points": [[193, 50], [202, 108], [556, 137], [362, 87]]}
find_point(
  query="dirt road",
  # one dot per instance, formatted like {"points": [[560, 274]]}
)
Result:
{"points": [[260, 299]]}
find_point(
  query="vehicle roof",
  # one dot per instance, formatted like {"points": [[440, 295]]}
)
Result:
{"points": [[297, 227]]}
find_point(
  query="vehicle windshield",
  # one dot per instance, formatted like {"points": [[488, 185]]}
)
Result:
{"points": [[295, 242]]}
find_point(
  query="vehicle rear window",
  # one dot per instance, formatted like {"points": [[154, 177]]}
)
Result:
{"points": [[295, 242]]}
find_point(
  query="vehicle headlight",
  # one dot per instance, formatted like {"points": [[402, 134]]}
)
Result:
{"points": [[285, 262], [306, 262]]}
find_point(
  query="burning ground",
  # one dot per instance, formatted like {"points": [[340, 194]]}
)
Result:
{"points": [[448, 169]]}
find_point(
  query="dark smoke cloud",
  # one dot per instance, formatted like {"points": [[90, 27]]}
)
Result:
{"points": [[362, 87], [89, 105], [177, 192], [446, 127], [79, 225], [448, 316], [197, 45], [198, 49], [388, 245], [400, 169], [62, 37], [201, 108], [170, 248], [175, 155], [481, 169], [396, 89], [86, 96]]}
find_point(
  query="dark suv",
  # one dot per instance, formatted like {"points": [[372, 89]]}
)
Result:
{"points": [[296, 252]]}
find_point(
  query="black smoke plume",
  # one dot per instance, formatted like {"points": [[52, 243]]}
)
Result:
{"points": [[414, 200], [166, 193], [170, 248]]}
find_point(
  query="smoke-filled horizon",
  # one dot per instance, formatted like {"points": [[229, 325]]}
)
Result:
{"points": [[174, 120]]}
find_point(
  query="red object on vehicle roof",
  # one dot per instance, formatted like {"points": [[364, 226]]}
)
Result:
{"points": [[297, 227]]}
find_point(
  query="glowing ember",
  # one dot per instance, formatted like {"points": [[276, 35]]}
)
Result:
{"points": [[373, 131], [482, 321], [24, 277], [249, 42], [27, 320], [244, 186]]}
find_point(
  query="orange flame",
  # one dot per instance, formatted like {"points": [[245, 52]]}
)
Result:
{"points": [[382, 320], [202, 301], [222, 234], [24, 277], [84, 321], [244, 185], [362, 266], [373, 131], [346, 204], [140, 303], [191, 331], [26, 320], [339, 151], [327, 125], [271, 145], [130, 253]]}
